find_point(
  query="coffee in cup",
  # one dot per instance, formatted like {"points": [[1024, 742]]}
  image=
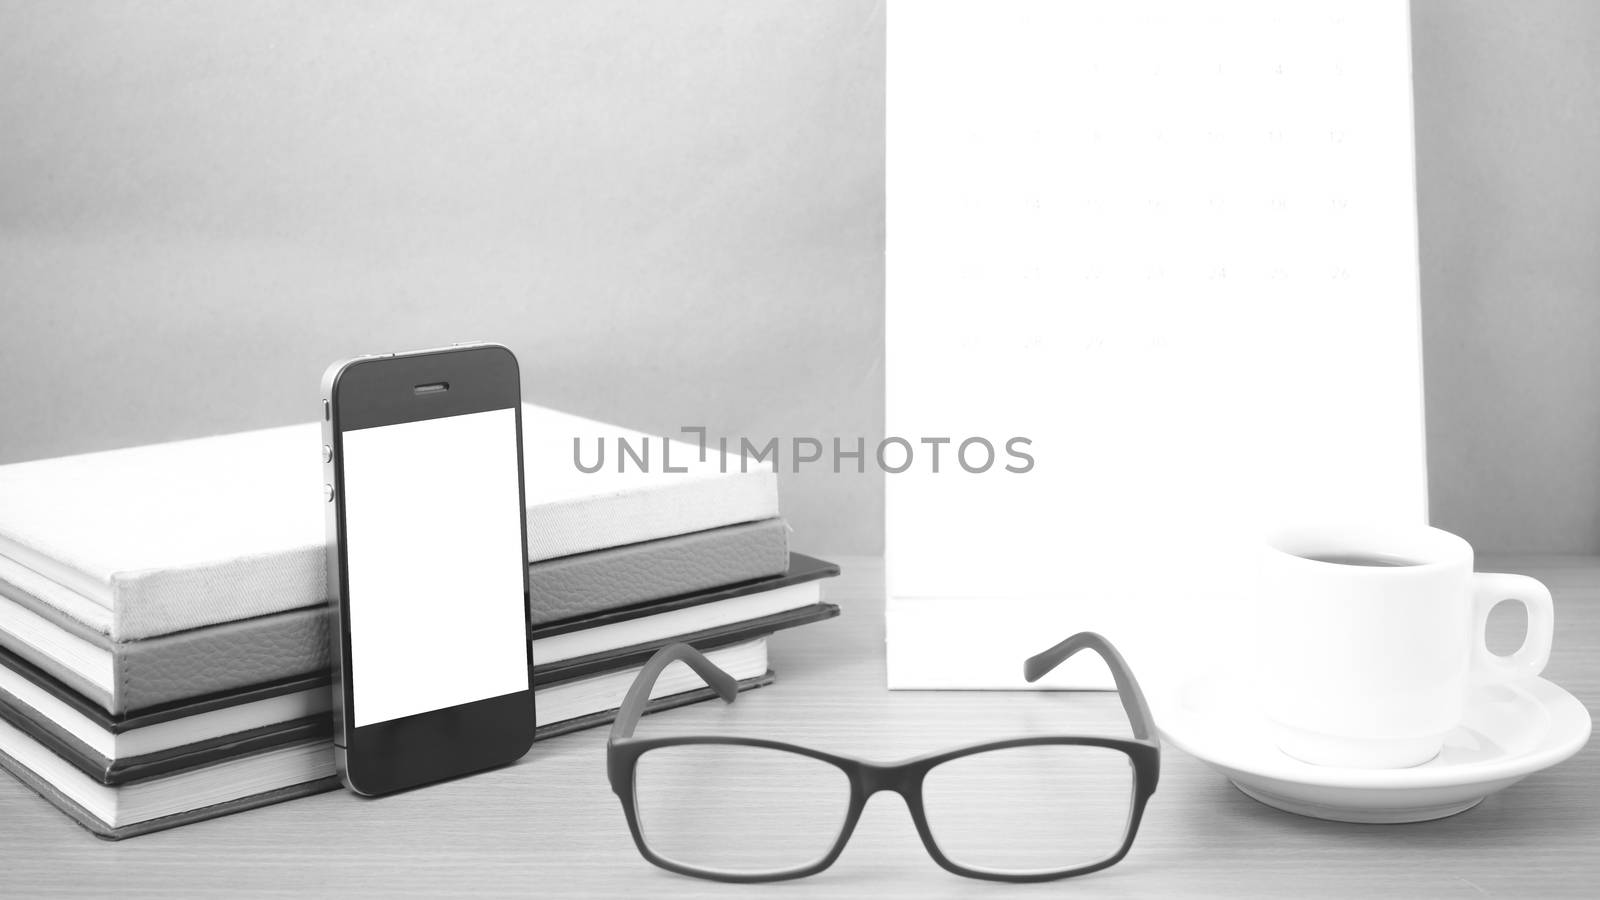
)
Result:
{"points": [[1371, 636]]}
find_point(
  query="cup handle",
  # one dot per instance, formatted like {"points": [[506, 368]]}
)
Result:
{"points": [[1490, 589]]}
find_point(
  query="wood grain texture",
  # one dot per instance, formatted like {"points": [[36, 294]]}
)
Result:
{"points": [[550, 826]]}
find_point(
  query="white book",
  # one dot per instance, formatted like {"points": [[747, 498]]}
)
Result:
{"points": [[152, 540]]}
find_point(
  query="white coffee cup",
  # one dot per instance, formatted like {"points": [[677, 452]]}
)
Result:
{"points": [[1369, 665]]}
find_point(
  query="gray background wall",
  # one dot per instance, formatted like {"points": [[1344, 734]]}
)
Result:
{"points": [[1508, 163], [673, 211]]}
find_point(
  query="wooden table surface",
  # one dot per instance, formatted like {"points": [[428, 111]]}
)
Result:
{"points": [[550, 826]]}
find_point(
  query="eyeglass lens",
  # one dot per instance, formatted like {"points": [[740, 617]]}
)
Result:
{"points": [[1040, 808], [737, 809]]}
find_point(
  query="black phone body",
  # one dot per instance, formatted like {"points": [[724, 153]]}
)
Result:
{"points": [[427, 565]]}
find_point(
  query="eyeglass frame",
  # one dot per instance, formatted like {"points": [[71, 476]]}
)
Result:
{"points": [[867, 778]]}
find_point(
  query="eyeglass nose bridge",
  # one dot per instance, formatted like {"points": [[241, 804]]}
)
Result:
{"points": [[878, 777]]}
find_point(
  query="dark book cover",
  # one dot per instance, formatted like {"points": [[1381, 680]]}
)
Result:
{"points": [[206, 752], [101, 829]]}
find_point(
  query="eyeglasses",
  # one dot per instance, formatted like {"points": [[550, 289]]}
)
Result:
{"points": [[745, 809]]}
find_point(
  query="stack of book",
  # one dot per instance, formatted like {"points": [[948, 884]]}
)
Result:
{"points": [[164, 637]]}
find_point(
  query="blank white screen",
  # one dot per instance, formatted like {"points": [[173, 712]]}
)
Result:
{"points": [[433, 536]]}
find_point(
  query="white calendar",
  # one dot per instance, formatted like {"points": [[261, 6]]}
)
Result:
{"points": [[1173, 245]]}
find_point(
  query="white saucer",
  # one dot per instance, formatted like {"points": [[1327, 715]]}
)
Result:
{"points": [[1508, 733]]}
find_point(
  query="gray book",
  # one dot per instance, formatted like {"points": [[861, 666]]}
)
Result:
{"points": [[236, 777], [124, 676]]}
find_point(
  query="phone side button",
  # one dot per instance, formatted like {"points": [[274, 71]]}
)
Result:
{"points": [[327, 492]]}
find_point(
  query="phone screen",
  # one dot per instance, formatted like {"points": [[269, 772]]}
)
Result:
{"points": [[434, 565]]}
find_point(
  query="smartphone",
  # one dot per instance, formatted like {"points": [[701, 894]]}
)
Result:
{"points": [[427, 565]]}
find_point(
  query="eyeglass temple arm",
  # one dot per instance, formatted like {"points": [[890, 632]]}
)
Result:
{"points": [[633, 706], [1144, 726]]}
